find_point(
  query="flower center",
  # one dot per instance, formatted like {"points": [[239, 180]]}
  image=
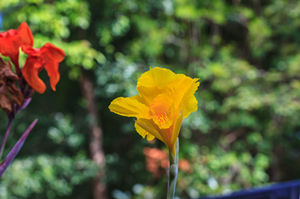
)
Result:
{"points": [[161, 111]]}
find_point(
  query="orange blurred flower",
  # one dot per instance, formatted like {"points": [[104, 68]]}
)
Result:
{"points": [[184, 165], [157, 162], [164, 100]]}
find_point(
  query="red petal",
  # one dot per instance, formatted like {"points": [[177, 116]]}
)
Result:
{"points": [[31, 51], [31, 71], [25, 35], [53, 53], [7, 45], [12, 40], [53, 73], [49, 57]]}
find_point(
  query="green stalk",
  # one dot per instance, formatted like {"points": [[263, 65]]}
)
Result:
{"points": [[173, 171]]}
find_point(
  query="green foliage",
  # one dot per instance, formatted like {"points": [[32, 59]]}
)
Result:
{"points": [[61, 169], [27, 178], [245, 133]]}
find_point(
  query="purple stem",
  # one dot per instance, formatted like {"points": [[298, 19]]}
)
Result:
{"points": [[15, 150], [5, 136], [10, 121], [26, 103]]}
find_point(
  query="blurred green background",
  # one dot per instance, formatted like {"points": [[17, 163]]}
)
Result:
{"points": [[246, 131]]}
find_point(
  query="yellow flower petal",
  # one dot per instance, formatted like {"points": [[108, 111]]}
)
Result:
{"points": [[148, 128], [154, 82], [182, 89], [175, 132], [189, 103], [156, 77], [130, 107]]}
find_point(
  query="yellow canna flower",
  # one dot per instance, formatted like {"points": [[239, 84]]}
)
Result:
{"points": [[164, 100]]}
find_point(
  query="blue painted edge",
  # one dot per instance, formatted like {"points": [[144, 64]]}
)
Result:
{"points": [[277, 188]]}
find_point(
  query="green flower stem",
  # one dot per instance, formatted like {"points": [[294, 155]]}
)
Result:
{"points": [[173, 171]]}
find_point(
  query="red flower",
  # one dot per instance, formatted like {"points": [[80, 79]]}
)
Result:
{"points": [[12, 40], [48, 57]]}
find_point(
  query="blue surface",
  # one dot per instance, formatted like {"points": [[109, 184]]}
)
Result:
{"points": [[0, 20], [286, 190]]}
